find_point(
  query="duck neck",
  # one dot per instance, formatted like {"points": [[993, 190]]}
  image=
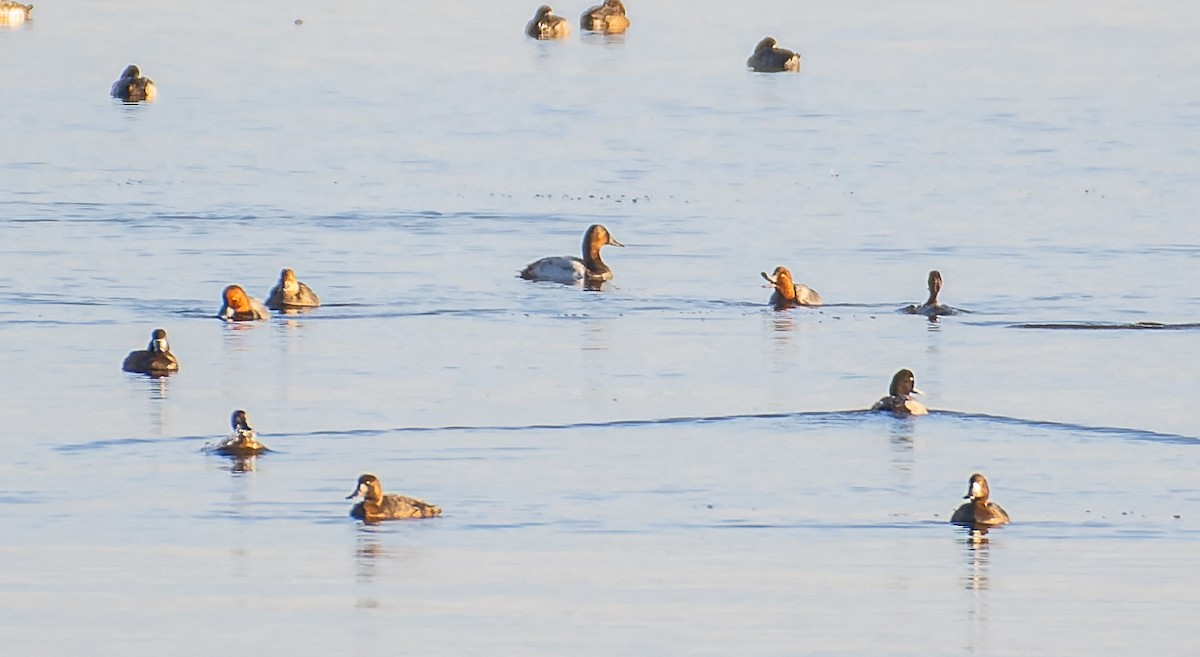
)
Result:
{"points": [[592, 261]]}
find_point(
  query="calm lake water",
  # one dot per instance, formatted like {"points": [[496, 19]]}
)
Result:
{"points": [[663, 467]]}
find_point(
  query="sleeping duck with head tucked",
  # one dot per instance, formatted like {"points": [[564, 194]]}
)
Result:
{"points": [[545, 25], [156, 359], [979, 512], [789, 294], [237, 306], [376, 506], [133, 87], [291, 294], [569, 270], [899, 399], [768, 57], [243, 442], [931, 308], [608, 18]]}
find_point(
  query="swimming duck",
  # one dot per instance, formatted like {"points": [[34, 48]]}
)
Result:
{"points": [[608, 18], [376, 506], [931, 308], [768, 58], [243, 442], [132, 87], [241, 307], [14, 13], [570, 270], [899, 399], [545, 25], [978, 511], [290, 293], [155, 359], [788, 294]]}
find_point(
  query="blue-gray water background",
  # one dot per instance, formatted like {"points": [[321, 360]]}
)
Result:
{"points": [[665, 467]]}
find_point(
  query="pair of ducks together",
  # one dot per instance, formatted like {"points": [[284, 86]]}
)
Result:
{"points": [[789, 294], [979, 512], [243, 443], [608, 18]]}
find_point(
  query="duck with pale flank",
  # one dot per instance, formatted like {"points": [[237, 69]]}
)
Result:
{"points": [[133, 87], [243, 442], [156, 359], [376, 506], [931, 308], [608, 18], [13, 14], [979, 512], [569, 270], [789, 294], [237, 306], [768, 57], [899, 399], [291, 294], [545, 25]]}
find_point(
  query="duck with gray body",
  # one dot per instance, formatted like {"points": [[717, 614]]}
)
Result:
{"points": [[291, 294], [789, 294]]}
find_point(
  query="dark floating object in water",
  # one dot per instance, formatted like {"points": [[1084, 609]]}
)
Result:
{"points": [[243, 442], [1108, 326], [133, 87], [769, 58], [546, 25]]}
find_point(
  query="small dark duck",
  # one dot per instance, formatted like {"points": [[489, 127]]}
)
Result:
{"points": [[608, 18], [978, 512], [545, 25], [237, 306], [931, 308], [569, 270], [243, 442], [13, 14], [769, 58], [291, 294], [133, 87], [788, 294], [376, 506], [156, 359], [899, 399]]}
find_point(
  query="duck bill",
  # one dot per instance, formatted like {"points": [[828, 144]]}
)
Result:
{"points": [[767, 277], [917, 392], [613, 242], [357, 491]]}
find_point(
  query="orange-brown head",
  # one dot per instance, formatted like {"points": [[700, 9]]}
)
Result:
{"points": [[236, 299], [935, 286], [781, 280]]}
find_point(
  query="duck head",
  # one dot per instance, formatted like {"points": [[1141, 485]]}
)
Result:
{"points": [[236, 301], [596, 237], [781, 280], [239, 422], [904, 384], [935, 286], [287, 280], [369, 487], [158, 341], [131, 71], [977, 488], [543, 12]]}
